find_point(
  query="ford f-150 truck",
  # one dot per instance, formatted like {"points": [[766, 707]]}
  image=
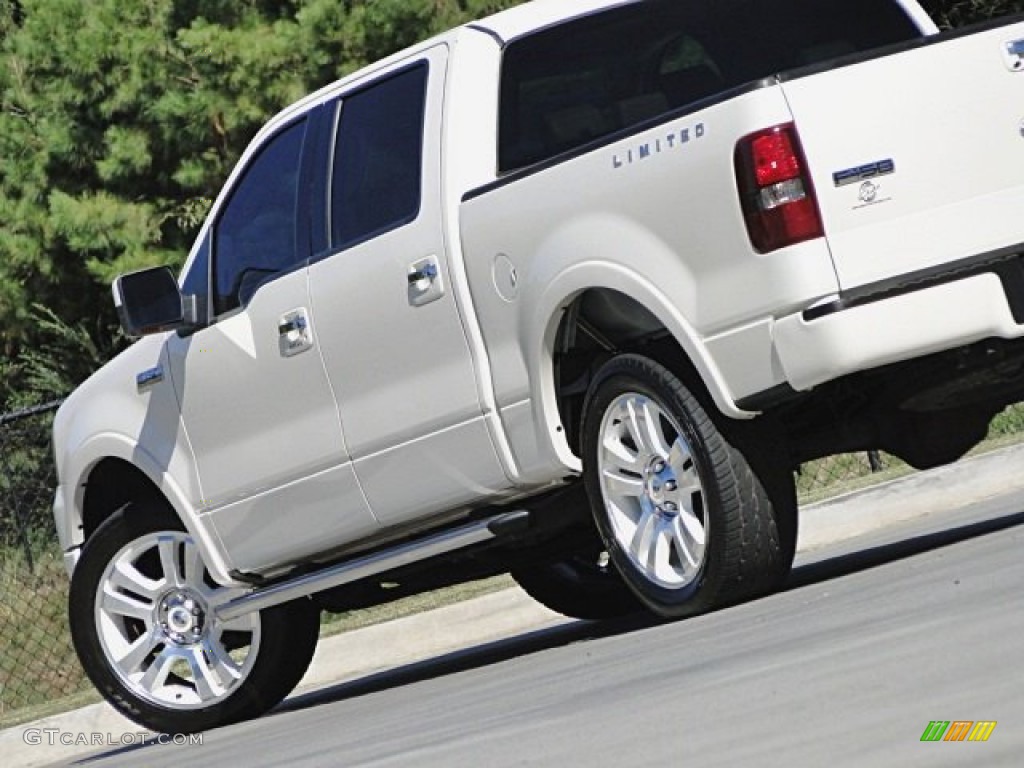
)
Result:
{"points": [[569, 292]]}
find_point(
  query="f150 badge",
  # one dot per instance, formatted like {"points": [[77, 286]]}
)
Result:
{"points": [[870, 190]]}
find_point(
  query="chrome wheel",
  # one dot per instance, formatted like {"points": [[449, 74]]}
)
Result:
{"points": [[652, 491], [156, 626]]}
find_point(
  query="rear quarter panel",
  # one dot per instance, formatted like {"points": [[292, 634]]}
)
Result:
{"points": [[654, 215]]}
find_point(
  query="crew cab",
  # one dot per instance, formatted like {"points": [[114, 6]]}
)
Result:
{"points": [[569, 292]]}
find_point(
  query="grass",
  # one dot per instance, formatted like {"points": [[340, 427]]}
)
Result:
{"points": [[37, 662], [336, 623]]}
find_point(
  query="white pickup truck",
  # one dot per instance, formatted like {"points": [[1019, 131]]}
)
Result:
{"points": [[568, 292]]}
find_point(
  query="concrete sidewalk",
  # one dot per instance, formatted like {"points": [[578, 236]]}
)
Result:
{"points": [[510, 612]]}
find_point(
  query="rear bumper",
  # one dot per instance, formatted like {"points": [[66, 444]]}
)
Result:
{"points": [[813, 349]]}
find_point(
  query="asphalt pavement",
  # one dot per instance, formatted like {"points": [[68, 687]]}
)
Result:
{"points": [[907, 612]]}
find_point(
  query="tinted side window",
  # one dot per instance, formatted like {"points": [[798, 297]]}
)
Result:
{"points": [[583, 80], [377, 171], [255, 236]]}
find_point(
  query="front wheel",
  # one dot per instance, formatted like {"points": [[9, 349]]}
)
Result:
{"points": [[685, 518], [143, 625]]}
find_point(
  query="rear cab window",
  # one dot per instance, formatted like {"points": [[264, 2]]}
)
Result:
{"points": [[569, 85]]}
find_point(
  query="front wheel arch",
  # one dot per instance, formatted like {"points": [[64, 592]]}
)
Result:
{"points": [[113, 484]]}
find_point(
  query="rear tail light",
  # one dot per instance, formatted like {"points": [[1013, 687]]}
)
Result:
{"points": [[775, 189]]}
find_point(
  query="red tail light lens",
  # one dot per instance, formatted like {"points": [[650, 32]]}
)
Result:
{"points": [[775, 190], [775, 159]]}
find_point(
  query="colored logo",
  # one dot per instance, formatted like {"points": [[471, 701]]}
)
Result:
{"points": [[958, 730]]}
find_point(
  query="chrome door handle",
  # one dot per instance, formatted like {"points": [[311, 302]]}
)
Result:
{"points": [[295, 334], [425, 283], [426, 272], [293, 323]]}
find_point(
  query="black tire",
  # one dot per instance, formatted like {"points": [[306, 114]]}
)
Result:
{"points": [[285, 636], [582, 587], [685, 517]]}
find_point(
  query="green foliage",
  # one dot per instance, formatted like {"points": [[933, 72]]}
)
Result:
{"points": [[957, 13], [67, 355], [1009, 422], [120, 120]]}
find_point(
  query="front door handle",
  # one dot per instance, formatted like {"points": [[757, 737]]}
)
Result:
{"points": [[294, 334], [292, 322]]}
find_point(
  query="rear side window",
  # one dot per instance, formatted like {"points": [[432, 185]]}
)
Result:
{"points": [[566, 86], [378, 158]]}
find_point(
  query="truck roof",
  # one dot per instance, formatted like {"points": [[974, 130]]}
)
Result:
{"points": [[537, 14], [531, 16]]}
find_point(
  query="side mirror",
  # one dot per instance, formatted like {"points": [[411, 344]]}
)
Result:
{"points": [[148, 302]]}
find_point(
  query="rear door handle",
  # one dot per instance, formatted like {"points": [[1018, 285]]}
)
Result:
{"points": [[425, 282], [426, 272]]}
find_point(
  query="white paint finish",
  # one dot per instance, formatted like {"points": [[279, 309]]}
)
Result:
{"points": [[746, 358], [469, 159], [265, 427], [290, 522], [404, 375], [647, 229], [540, 464], [106, 417], [441, 471], [919, 16], [948, 115], [900, 328], [521, 19]]}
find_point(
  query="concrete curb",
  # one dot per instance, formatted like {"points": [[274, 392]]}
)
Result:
{"points": [[969, 481], [509, 612]]}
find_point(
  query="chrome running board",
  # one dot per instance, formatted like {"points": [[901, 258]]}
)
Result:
{"points": [[370, 565]]}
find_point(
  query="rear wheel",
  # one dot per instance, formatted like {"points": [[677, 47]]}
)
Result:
{"points": [[684, 515], [143, 624]]}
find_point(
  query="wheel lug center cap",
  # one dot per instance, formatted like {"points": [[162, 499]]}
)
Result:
{"points": [[179, 619], [659, 481], [181, 616]]}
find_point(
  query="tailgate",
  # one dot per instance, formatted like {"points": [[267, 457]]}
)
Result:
{"points": [[918, 157]]}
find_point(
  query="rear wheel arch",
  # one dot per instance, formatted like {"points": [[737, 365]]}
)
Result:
{"points": [[600, 323]]}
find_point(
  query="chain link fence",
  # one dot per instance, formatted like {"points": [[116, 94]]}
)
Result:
{"points": [[37, 662]]}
